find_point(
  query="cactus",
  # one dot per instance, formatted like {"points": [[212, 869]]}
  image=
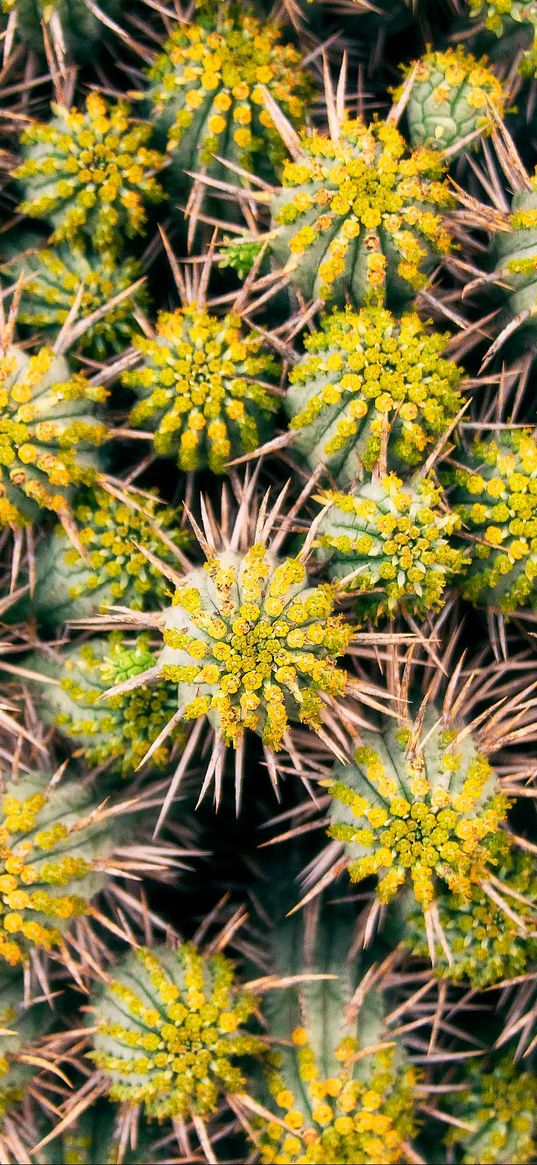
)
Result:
{"points": [[499, 1106], [359, 218], [96, 1137], [251, 645], [451, 99], [79, 27], [416, 808], [495, 495], [389, 542], [368, 377], [21, 1024], [515, 259], [171, 1031], [46, 430], [504, 17], [202, 388], [89, 173]]}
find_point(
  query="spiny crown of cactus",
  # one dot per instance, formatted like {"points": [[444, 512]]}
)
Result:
{"points": [[117, 731], [170, 1031], [359, 217], [416, 809], [53, 281], [495, 495], [202, 384], [116, 534], [501, 1106], [46, 426], [487, 943], [250, 644], [50, 843], [515, 254], [21, 1025], [503, 16], [89, 173], [367, 377], [391, 542], [451, 99], [206, 90]]}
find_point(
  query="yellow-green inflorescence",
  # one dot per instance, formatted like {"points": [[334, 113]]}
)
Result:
{"points": [[204, 388], [501, 1105], [367, 378], [115, 535], [89, 173], [390, 543], [503, 17], [360, 217], [115, 731], [251, 644], [495, 495], [49, 851], [486, 942], [515, 258], [46, 431], [207, 92], [417, 812], [171, 1031], [451, 99]]}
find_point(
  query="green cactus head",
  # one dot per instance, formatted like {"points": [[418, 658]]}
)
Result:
{"points": [[251, 644], [81, 29], [51, 841], [390, 542], [503, 17], [500, 1104], [21, 1025], [515, 258], [171, 1031], [46, 431], [206, 92], [486, 943], [367, 377], [360, 218], [450, 99], [495, 495], [416, 808], [202, 388], [117, 731], [89, 173]]}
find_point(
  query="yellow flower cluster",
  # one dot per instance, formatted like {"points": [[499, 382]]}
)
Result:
{"points": [[495, 496], [170, 1028], [346, 1118], [45, 424], [421, 812], [500, 16], [451, 97], [250, 643], [203, 390], [89, 173], [45, 856], [394, 540], [368, 376], [360, 217], [501, 1105], [206, 91]]}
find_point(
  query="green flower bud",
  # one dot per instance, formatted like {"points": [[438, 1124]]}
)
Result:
{"points": [[451, 98]]}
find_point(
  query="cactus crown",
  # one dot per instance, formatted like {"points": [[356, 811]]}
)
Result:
{"points": [[89, 173], [249, 643], [501, 1105], [393, 539], [495, 495], [45, 422], [210, 78], [343, 197], [367, 374], [416, 809], [201, 389], [499, 16], [171, 1029], [451, 98]]}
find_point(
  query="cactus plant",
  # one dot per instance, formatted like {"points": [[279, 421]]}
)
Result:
{"points": [[73, 20], [504, 17], [450, 101], [22, 1023], [515, 259], [498, 1111]]}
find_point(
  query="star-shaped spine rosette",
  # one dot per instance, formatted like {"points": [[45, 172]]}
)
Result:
{"points": [[504, 17], [417, 811], [46, 433], [89, 173], [251, 645], [367, 377], [116, 731], [390, 543], [515, 259], [451, 99], [495, 495], [206, 92], [171, 1031], [359, 217], [497, 1109], [204, 388]]}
